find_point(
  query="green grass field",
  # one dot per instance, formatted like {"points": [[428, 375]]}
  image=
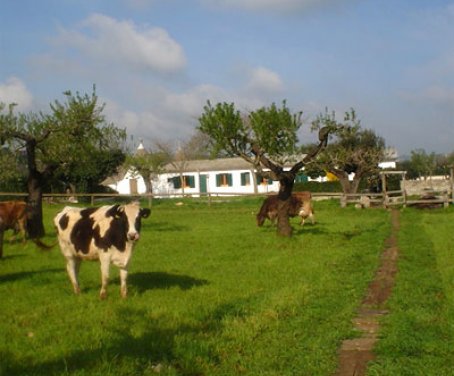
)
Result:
{"points": [[210, 293]]}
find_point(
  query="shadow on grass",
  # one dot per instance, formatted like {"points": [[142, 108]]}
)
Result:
{"points": [[10, 257], [166, 227], [12, 277], [144, 281], [118, 351]]}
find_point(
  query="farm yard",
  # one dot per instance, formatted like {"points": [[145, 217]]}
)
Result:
{"points": [[210, 293]]}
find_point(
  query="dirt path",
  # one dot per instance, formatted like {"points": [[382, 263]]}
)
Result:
{"points": [[354, 354]]}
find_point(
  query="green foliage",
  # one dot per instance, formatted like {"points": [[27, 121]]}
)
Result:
{"points": [[12, 176], [422, 164], [272, 129], [224, 124], [351, 149], [72, 145], [210, 294], [314, 186]]}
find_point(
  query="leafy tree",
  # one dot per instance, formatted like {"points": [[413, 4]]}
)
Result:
{"points": [[12, 178], [73, 142], [352, 149], [266, 138], [421, 164]]}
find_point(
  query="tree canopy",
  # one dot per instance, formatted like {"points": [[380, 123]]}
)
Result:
{"points": [[72, 144], [351, 150], [266, 138]]}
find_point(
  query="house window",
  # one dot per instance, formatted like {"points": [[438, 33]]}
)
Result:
{"points": [[263, 181], [245, 178], [185, 181], [224, 180]]}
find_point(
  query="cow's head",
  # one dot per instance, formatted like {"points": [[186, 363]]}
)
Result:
{"points": [[131, 215]]}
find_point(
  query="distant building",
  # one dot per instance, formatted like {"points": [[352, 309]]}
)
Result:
{"points": [[223, 175]]}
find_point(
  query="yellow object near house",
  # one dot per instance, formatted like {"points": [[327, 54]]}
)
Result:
{"points": [[331, 177]]}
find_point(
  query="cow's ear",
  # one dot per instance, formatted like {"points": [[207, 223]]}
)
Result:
{"points": [[120, 211], [144, 213], [115, 211]]}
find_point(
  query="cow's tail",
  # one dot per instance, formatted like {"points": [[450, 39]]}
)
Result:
{"points": [[43, 246]]}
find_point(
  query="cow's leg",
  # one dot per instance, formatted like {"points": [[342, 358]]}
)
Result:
{"points": [[73, 266], [105, 266], [123, 278]]}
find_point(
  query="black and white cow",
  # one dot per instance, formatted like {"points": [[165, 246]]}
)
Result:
{"points": [[106, 233]]}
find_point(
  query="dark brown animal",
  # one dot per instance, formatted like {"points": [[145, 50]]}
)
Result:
{"points": [[300, 205], [13, 216]]}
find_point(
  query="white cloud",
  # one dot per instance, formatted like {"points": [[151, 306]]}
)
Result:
{"points": [[263, 79], [108, 41], [15, 91]]}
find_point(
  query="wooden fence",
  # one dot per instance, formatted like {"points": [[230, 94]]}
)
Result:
{"points": [[363, 200]]}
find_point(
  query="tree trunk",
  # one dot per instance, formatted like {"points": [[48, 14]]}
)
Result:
{"points": [[283, 205], [349, 186], [35, 227]]}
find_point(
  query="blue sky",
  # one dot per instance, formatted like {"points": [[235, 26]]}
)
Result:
{"points": [[155, 63]]}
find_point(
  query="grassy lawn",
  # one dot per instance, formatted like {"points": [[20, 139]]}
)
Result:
{"points": [[417, 337], [210, 294]]}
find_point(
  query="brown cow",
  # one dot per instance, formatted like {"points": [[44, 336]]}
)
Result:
{"points": [[13, 216], [300, 205]]}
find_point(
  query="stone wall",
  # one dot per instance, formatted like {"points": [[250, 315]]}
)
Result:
{"points": [[419, 187]]}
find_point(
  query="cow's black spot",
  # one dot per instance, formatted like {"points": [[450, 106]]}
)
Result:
{"points": [[116, 234], [63, 222], [82, 232], [113, 211]]}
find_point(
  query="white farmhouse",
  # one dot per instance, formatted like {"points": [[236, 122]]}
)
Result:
{"points": [[225, 176]]}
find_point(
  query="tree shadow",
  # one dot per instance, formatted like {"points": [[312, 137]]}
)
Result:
{"points": [[309, 229], [166, 227], [119, 348], [144, 281], [12, 277], [16, 255]]}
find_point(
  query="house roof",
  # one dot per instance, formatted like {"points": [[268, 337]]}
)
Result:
{"points": [[221, 164]]}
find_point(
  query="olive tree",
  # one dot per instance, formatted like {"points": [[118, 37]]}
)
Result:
{"points": [[73, 141], [353, 152], [266, 138]]}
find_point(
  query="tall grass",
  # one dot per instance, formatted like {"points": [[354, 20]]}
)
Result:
{"points": [[417, 337], [210, 294]]}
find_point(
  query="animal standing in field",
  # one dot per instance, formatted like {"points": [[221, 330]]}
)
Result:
{"points": [[106, 233], [300, 205], [13, 216]]}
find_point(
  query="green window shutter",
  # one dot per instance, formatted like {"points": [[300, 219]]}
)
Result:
{"points": [[218, 180], [191, 181], [229, 180], [176, 182], [245, 178], [301, 178]]}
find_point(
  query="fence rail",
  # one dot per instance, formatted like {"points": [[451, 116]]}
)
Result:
{"points": [[388, 199]]}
